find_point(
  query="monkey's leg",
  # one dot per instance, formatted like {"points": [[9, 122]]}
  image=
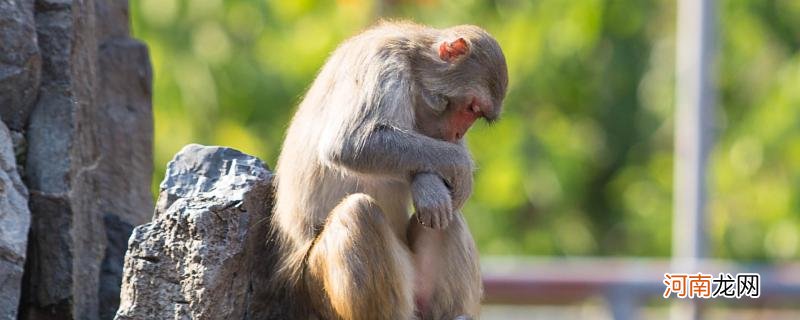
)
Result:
{"points": [[447, 279], [358, 268]]}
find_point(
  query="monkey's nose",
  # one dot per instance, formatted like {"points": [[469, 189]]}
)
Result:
{"points": [[474, 106]]}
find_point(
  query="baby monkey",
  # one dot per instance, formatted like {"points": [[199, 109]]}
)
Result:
{"points": [[382, 128]]}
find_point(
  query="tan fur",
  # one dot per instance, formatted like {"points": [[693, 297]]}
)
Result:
{"points": [[345, 173], [455, 286], [343, 264]]}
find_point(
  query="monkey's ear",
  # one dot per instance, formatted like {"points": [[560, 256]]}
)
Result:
{"points": [[451, 51]]}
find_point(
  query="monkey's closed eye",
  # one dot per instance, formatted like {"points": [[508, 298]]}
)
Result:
{"points": [[437, 102]]}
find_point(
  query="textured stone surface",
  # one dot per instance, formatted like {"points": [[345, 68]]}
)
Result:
{"points": [[67, 237], [204, 254], [125, 119], [20, 62], [75, 90], [88, 160], [125, 122], [69, 55], [14, 223], [117, 233], [112, 19]]}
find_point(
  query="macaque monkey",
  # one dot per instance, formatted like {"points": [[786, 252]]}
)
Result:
{"points": [[382, 128]]}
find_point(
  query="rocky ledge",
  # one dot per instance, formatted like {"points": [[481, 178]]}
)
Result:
{"points": [[205, 254]]}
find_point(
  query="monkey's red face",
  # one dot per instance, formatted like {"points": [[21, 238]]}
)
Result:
{"points": [[461, 118], [471, 81]]}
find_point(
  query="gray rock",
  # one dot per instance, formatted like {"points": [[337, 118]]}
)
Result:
{"points": [[117, 233], [88, 160], [15, 220], [204, 255], [20, 62], [67, 237], [112, 19], [75, 90], [69, 55], [47, 290], [125, 119]]}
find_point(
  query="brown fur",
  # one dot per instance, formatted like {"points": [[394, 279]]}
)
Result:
{"points": [[375, 132]]}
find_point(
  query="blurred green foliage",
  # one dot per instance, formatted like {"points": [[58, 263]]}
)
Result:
{"points": [[581, 163]]}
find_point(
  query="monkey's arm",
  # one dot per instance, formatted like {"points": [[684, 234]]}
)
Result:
{"points": [[386, 150]]}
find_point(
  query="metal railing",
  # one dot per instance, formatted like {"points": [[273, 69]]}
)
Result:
{"points": [[624, 283]]}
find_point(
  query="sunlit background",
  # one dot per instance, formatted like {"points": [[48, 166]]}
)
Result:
{"points": [[581, 163]]}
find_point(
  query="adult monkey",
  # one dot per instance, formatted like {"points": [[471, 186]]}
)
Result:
{"points": [[383, 124]]}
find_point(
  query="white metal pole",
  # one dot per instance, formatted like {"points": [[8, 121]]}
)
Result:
{"points": [[694, 97]]}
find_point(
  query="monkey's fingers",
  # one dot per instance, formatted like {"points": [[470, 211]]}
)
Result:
{"points": [[446, 216], [434, 215], [421, 218], [431, 218], [439, 219], [436, 218], [427, 217], [451, 215]]}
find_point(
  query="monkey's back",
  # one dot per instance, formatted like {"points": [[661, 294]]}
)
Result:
{"points": [[347, 91]]}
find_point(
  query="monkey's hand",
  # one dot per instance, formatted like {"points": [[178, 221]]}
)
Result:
{"points": [[431, 200]]}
